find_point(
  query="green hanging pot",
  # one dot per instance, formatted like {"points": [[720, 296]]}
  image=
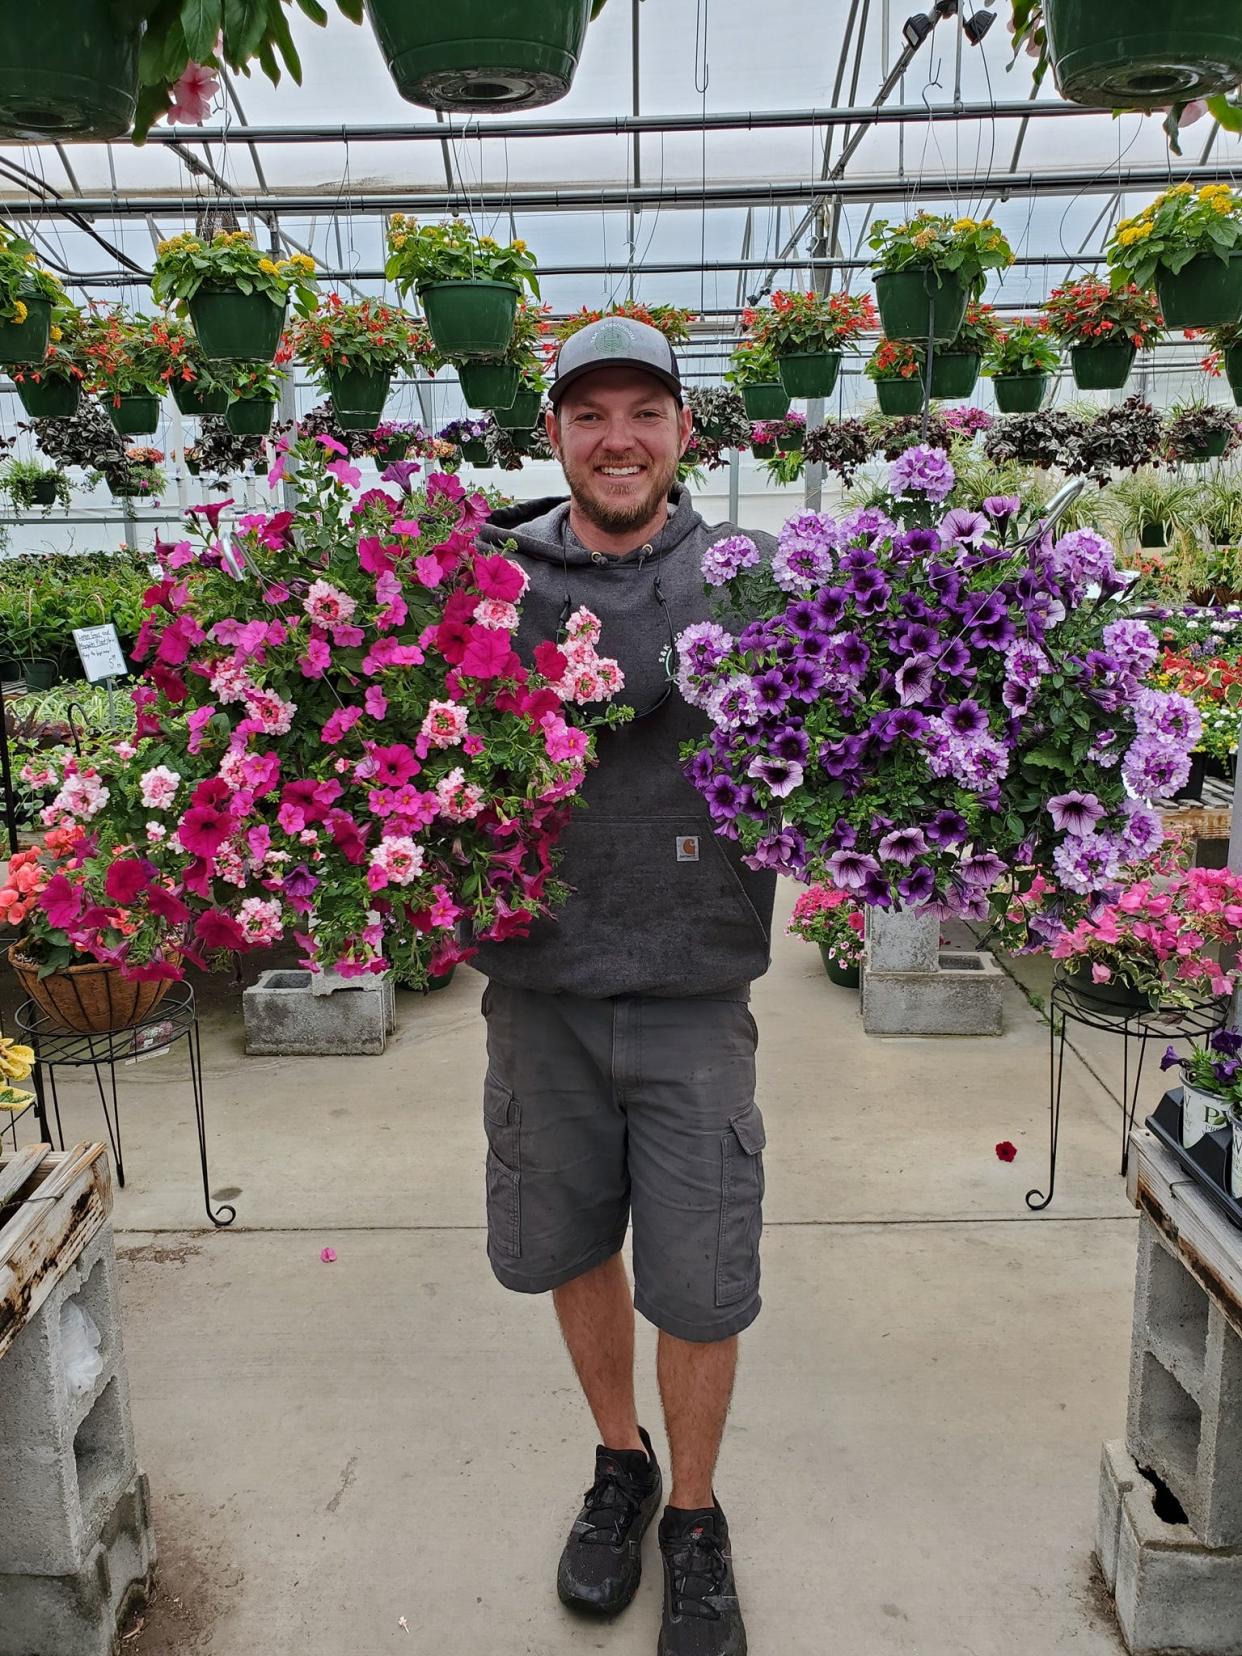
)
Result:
{"points": [[899, 396], [489, 384], [521, 413], [765, 400], [912, 302], [474, 449], [25, 343], [49, 399], [1140, 54], [470, 319], [70, 71], [1211, 448], [1206, 293], [358, 396], [845, 977], [954, 373], [1102, 367], [1233, 371], [199, 397], [250, 416], [810, 373], [1020, 393], [481, 55], [43, 492], [1153, 534], [763, 451], [233, 326], [135, 413], [791, 442]]}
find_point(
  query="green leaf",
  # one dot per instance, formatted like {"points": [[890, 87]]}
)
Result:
{"points": [[200, 23], [351, 9], [314, 11], [245, 23], [278, 24], [1044, 755]]}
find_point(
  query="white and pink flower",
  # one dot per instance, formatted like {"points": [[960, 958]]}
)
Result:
{"points": [[158, 787], [396, 860], [445, 725], [460, 800], [327, 605]]}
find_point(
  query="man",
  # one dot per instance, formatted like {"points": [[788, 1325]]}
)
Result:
{"points": [[620, 1042]]}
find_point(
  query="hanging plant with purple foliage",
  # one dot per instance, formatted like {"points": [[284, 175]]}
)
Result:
{"points": [[927, 698]]}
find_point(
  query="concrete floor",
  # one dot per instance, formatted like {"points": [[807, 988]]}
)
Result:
{"points": [[911, 1462]]}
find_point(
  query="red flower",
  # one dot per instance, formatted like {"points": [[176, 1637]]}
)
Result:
{"points": [[1005, 1151], [204, 830], [217, 930], [499, 577], [167, 905], [552, 663], [61, 902], [126, 878], [488, 654]]}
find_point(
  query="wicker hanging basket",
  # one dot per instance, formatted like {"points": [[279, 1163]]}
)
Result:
{"points": [[91, 999]]}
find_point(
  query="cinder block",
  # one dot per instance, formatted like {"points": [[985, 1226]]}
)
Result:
{"points": [[962, 997], [287, 1016], [63, 1459], [1117, 1474], [79, 1612], [1218, 1514], [1172, 1592], [902, 941]]}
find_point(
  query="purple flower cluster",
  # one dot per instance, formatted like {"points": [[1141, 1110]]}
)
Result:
{"points": [[915, 712], [721, 562], [922, 470], [969, 420]]}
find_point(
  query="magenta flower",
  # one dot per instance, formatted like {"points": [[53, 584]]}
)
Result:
{"points": [[338, 725]]}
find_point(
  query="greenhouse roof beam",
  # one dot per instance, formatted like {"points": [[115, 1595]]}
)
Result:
{"points": [[583, 126], [587, 198]]}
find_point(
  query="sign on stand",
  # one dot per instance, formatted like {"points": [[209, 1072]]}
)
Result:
{"points": [[99, 651]]}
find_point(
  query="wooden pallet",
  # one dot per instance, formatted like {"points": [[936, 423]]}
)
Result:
{"points": [[51, 1203]]}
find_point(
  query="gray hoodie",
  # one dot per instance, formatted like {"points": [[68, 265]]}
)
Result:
{"points": [[660, 905]]}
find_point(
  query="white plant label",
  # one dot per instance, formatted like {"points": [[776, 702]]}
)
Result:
{"points": [[99, 651]]}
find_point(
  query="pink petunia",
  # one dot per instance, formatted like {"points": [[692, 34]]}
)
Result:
{"points": [[340, 723], [488, 655], [348, 476]]}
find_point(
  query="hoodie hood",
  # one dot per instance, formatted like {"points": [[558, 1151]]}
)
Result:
{"points": [[541, 530]]}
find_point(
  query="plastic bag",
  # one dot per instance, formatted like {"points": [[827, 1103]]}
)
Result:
{"points": [[79, 1348]]}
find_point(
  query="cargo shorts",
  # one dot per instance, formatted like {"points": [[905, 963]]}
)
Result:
{"points": [[596, 1110]]}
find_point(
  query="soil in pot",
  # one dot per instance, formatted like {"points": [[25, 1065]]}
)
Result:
{"points": [[1102, 367], [481, 55], [810, 374], [1141, 54], [25, 343], [1020, 393], [50, 399], [69, 71], [765, 400], [913, 302], [470, 319], [236, 327]]}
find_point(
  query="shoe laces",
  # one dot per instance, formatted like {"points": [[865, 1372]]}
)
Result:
{"points": [[698, 1571], [611, 1505]]}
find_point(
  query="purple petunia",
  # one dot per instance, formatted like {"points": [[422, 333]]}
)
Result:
{"points": [[947, 828], [1152, 769], [804, 554], [1087, 862], [918, 886], [1133, 644], [732, 703], [1075, 813], [962, 527], [922, 470], [914, 679], [1000, 508], [1143, 831], [903, 845], [781, 776], [726, 558], [849, 869]]}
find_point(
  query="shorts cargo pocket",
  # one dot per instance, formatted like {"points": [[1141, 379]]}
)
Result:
{"points": [[501, 1120], [741, 1207]]}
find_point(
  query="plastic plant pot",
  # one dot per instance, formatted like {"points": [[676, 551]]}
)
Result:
{"points": [[810, 373], [135, 413], [1211, 448], [440, 982], [791, 442], [765, 400], [358, 397], [522, 412], [1153, 534], [1206, 293], [954, 373], [912, 302], [470, 319], [763, 451], [43, 493], [845, 977], [194, 398], [900, 396], [474, 449], [1138, 54], [481, 55], [1102, 367], [50, 399], [1192, 787], [236, 327], [41, 673], [25, 343], [250, 416], [1116, 995], [1233, 371], [1020, 393], [489, 384], [70, 71]]}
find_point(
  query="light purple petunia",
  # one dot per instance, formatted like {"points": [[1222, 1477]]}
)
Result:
{"points": [[962, 527], [1086, 862], [903, 845], [922, 470], [1152, 769], [721, 562], [781, 776], [1001, 508], [732, 703], [1133, 644], [1075, 813], [1143, 832], [850, 869]]}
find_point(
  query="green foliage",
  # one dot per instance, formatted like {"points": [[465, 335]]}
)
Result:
{"points": [[963, 247], [22, 279], [44, 596], [753, 363], [420, 254], [19, 479], [1178, 226], [184, 264], [1022, 348]]}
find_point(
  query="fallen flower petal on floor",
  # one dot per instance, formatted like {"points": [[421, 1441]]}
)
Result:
{"points": [[1006, 1151], [401, 1622], [329, 1254]]}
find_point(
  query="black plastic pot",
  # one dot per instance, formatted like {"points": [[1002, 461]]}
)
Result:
{"points": [[1192, 788]]}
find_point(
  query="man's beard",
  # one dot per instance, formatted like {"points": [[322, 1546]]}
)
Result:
{"points": [[615, 517]]}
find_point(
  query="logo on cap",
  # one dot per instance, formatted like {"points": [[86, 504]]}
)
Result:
{"points": [[614, 339]]}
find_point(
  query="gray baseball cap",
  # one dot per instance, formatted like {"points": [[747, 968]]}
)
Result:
{"points": [[615, 342]]}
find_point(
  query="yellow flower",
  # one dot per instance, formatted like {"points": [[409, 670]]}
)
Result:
{"points": [[20, 313], [965, 224], [268, 267], [16, 1062], [57, 334], [303, 262], [519, 246]]}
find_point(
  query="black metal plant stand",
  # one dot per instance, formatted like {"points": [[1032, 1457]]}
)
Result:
{"points": [[1076, 1003], [174, 1019]]}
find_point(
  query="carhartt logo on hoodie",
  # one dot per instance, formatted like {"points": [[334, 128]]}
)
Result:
{"points": [[688, 849]]}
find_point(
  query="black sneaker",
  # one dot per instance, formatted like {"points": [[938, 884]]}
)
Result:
{"points": [[602, 1565], [701, 1614]]}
